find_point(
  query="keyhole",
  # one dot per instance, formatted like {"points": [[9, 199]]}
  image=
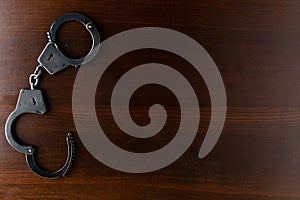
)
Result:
{"points": [[34, 101], [50, 57]]}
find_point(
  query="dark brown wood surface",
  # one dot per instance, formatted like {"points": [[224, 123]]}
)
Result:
{"points": [[256, 46]]}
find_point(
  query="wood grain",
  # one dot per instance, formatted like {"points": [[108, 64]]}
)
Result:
{"points": [[255, 44]]}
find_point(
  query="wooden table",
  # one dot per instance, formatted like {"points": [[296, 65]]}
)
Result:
{"points": [[254, 43]]}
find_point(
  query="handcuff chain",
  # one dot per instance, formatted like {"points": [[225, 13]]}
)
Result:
{"points": [[34, 77]]}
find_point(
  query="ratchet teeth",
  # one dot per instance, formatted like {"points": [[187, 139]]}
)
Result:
{"points": [[48, 36], [71, 152]]}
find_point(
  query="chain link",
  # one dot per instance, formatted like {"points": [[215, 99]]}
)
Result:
{"points": [[34, 77]]}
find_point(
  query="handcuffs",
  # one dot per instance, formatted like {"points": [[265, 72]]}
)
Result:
{"points": [[32, 100]]}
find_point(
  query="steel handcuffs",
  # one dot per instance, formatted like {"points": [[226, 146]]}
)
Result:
{"points": [[32, 100]]}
